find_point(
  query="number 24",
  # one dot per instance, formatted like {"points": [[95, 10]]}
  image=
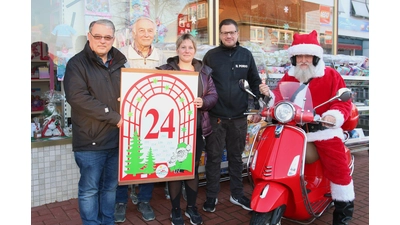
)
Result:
{"points": [[167, 125]]}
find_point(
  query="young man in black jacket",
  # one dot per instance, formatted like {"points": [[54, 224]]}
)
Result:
{"points": [[230, 63], [92, 87]]}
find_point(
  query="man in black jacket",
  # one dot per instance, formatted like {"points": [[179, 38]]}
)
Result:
{"points": [[92, 88], [230, 63]]}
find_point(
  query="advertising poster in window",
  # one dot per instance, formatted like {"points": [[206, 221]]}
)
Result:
{"points": [[325, 14], [184, 25], [98, 8], [139, 8], [157, 137]]}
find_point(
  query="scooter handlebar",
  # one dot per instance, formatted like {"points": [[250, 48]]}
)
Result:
{"points": [[264, 112]]}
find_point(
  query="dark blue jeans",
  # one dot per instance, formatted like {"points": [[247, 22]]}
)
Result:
{"points": [[230, 134], [144, 195], [97, 185]]}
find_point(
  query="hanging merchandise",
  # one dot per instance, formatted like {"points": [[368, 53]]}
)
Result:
{"points": [[184, 25], [51, 116]]}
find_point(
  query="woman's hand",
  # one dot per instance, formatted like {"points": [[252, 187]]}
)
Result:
{"points": [[198, 102]]}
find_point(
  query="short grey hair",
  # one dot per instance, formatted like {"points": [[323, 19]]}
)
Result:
{"points": [[105, 22]]}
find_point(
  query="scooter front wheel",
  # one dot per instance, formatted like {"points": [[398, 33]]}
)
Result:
{"points": [[261, 218]]}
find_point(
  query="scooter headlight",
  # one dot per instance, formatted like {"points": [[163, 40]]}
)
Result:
{"points": [[284, 112]]}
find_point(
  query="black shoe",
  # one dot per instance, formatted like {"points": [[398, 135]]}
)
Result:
{"points": [[146, 210], [209, 205], [176, 217], [242, 201], [119, 212], [194, 215], [343, 212]]}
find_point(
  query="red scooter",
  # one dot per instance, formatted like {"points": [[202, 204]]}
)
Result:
{"points": [[283, 168]]}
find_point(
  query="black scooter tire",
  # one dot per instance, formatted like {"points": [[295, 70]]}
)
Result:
{"points": [[261, 218]]}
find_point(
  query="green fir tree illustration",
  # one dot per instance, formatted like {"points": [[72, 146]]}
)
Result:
{"points": [[133, 157], [150, 166]]}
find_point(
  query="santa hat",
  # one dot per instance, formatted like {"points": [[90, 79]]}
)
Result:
{"points": [[307, 44]]}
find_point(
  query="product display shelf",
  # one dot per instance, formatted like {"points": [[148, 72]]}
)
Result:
{"points": [[355, 78], [41, 86], [360, 87], [38, 87], [358, 84]]}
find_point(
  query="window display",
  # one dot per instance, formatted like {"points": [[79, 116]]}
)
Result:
{"points": [[59, 31]]}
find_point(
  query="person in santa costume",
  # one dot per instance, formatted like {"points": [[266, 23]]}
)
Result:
{"points": [[323, 82]]}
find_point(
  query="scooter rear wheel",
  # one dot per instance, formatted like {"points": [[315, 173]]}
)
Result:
{"points": [[261, 218]]}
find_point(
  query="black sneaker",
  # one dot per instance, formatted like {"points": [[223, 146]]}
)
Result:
{"points": [[119, 212], [176, 217], [242, 201], [194, 215], [209, 205], [146, 210]]}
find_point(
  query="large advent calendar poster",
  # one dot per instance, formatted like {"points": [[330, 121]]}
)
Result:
{"points": [[157, 137]]}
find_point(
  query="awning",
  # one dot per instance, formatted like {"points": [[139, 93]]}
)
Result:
{"points": [[349, 46], [360, 9]]}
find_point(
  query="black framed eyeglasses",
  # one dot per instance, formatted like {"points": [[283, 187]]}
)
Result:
{"points": [[99, 37], [229, 32]]}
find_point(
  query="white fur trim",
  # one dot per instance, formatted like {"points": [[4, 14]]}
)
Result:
{"points": [[306, 49], [325, 134], [320, 68], [343, 193], [338, 116]]}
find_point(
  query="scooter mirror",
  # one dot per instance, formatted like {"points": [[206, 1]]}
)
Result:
{"points": [[344, 94], [244, 85]]}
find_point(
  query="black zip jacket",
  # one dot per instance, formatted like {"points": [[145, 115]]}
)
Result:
{"points": [[229, 65], [92, 91]]}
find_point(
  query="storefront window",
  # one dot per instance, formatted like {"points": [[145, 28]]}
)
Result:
{"points": [[63, 25], [267, 26], [272, 23], [59, 30]]}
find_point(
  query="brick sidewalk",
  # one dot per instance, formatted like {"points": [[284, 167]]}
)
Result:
{"points": [[66, 212]]}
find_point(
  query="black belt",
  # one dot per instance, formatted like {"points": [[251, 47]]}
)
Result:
{"points": [[313, 127]]}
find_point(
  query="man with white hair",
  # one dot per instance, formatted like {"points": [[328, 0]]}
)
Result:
{"points": [[140, 54], [323, 82]]}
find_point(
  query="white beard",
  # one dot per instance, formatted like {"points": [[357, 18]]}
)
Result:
{"points": [[306, 74]]}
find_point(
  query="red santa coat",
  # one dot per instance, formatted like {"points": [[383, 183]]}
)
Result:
{"points": [[329, 141], [323, 88]]}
